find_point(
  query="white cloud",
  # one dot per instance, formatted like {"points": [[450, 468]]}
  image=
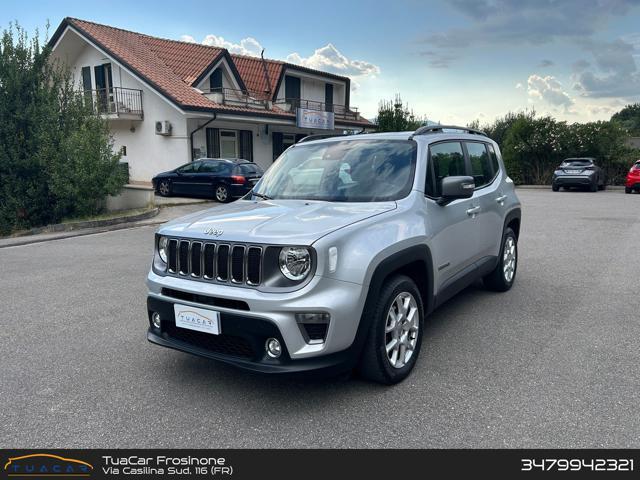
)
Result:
{"points": [[549, 90], [330, 59], [247, 46]]}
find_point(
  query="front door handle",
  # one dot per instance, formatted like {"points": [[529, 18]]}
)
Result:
{"points": [[501, 199], [472, 212]]}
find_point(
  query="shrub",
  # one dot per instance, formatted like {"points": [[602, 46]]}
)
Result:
{"points": [[56, 155]]}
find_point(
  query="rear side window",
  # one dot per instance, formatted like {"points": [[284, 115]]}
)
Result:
{"points": [[249, 169], [494, 159], [211, 167], [481, 169], [446, 160]]}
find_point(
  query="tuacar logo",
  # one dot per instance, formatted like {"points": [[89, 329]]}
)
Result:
{"points": [[46, 464]]}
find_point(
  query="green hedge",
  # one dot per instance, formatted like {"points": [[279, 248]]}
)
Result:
{"points": [[532, 146], [56, 155]]}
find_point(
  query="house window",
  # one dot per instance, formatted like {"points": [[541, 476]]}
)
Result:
{"points": [[104, 87], [86, 85], [288, 139], [328, 97], [228, 144], [215, 81], [292, 91]]}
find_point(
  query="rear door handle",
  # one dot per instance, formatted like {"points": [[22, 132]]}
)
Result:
{"points": [[473, 211], [501, 199]]}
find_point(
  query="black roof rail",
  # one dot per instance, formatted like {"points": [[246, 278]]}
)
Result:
{"points": [[441, 128], [320, 136]]}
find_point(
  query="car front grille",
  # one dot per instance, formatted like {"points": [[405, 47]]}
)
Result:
{"points": [[235, 264]]}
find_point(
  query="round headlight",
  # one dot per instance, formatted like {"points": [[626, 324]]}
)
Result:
{"points": [[163, 245], [295, 262]]}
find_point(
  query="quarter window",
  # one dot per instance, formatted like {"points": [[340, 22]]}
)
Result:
{"points": [[494, 159], [446, 160], [480, 164]]}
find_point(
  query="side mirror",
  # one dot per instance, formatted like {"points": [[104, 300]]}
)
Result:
{"points": [[454, 188]]}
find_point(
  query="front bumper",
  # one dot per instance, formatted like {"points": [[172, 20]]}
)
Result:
{"points": [[573, 180], [261, 316]]}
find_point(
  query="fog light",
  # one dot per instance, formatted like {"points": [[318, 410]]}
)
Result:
{"points": [[273, 347], [155, 319]]}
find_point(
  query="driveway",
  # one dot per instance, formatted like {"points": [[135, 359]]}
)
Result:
{"points": [[552, 363]]}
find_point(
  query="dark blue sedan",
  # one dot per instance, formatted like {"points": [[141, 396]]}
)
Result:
{"points": [[221, 178]]}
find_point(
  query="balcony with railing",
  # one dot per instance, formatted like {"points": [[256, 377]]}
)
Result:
{"points": [[242, 98], [116, 102], [237, 98], [341, 112]]}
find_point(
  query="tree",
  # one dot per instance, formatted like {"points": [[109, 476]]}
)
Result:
{"points": [[629, 118], [56, 154], [394, 116]]}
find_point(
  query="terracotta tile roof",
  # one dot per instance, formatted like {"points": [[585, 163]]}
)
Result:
{"points": [[172, 67], [251, 70]]}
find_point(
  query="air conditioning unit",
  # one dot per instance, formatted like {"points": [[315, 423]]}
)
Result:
{"points": [[163, 127]]}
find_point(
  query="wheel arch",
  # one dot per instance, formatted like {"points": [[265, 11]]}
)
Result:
{"points": [[512, 220], [416, 263]]}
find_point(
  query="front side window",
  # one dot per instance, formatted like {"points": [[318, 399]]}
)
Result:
{"points": [[342, 171], [190, 167], [446, 160], [481, 169]]}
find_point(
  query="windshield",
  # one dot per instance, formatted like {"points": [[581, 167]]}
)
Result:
{"points": [[342, 171]]}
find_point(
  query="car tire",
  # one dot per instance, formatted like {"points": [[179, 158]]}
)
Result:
{"points": [[593, 187], [164, 188], [566, 189], [555, 188], [627, 190], [221, 194], [502, 277], [379, 363]]}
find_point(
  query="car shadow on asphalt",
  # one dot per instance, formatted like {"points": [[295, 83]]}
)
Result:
{"points": [[216, 378]]}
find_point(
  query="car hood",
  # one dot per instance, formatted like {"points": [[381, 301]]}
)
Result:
{"points": [[299, 222]]}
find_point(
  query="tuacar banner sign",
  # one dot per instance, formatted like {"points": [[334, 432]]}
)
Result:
{"points": [[306, 118]]}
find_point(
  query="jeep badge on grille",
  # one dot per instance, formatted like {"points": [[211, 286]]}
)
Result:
{"points": [[213, 231]]}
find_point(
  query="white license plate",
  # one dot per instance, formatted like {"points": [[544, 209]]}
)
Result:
{"points": [[197, 319], [574, 171]]}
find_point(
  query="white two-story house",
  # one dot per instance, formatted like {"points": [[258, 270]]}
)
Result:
{"points": [[170, 102]]}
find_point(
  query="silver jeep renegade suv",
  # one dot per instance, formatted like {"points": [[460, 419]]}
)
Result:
{"points": [[338, 254]]}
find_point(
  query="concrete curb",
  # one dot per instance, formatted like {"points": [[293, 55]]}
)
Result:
{"points": [[78, 229], [67, 227]]}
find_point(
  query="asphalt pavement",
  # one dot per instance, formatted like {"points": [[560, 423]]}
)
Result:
{"points": [[551, 363]]}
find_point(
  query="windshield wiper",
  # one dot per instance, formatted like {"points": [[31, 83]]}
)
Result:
{"points": [[260, 195]]}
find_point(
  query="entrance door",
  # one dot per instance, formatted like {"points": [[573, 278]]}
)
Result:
{"points": [[228, 144]]}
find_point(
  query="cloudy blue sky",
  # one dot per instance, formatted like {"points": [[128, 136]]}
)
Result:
{"points": [[452, 61]]}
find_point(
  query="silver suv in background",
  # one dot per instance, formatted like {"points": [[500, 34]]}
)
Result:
{"points": [[338, 254]]}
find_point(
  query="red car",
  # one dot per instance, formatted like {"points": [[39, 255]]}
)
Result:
{"points": [[633, 179]]}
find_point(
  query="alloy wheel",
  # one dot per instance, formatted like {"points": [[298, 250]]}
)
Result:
{"points": [[509, 258], [401, 329], [221, 194], [164, 188]]}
